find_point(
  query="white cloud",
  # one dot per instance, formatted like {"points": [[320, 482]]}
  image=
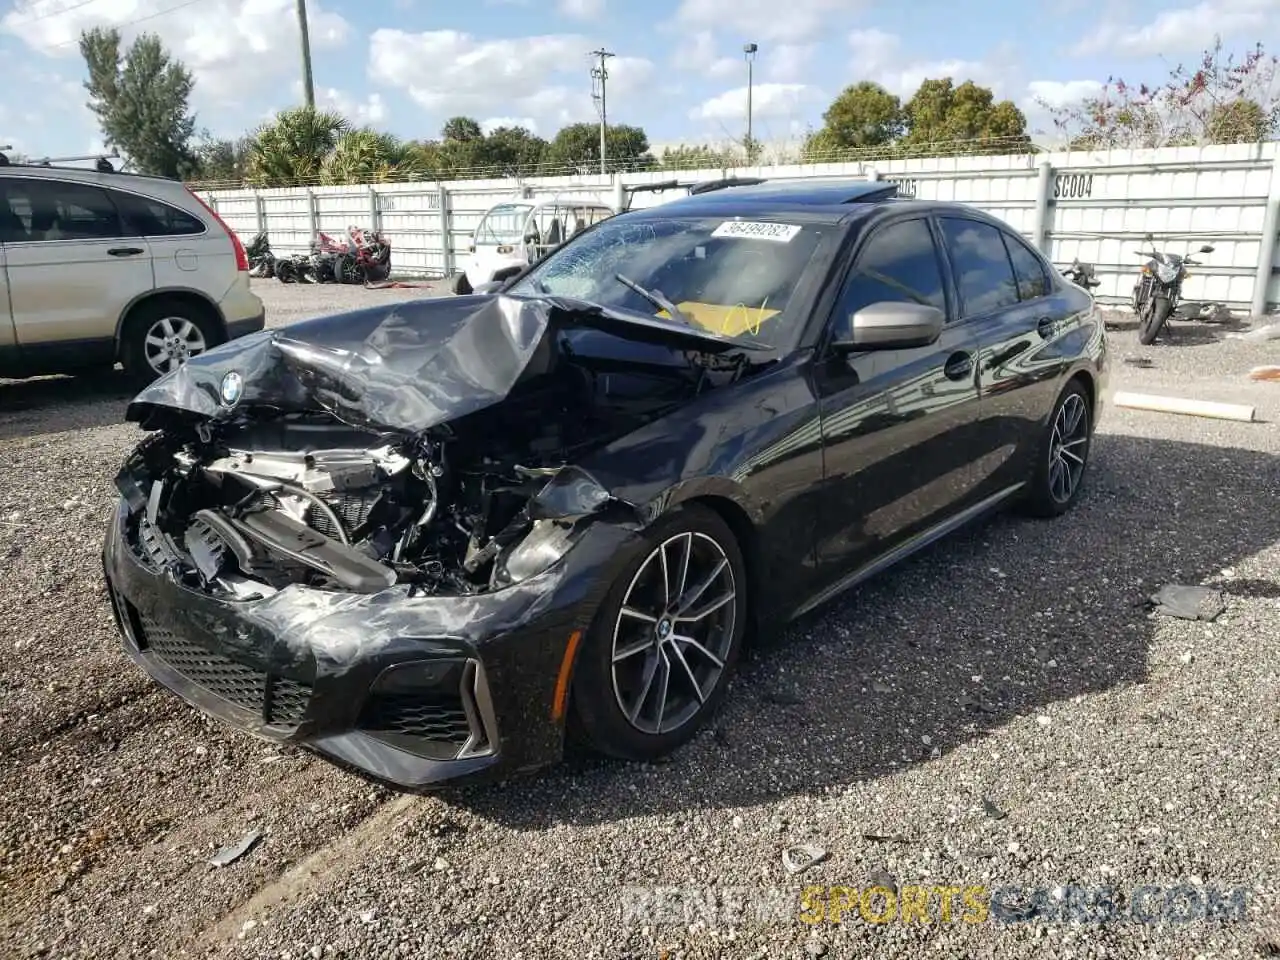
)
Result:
{"points": [[544, 78], [788, 62], [764, 20], [768, 101], [370, 112], [879, 56], [1058, 93], [489, 124], [1179, 30], [232, 47], [698, 53], [581, 9]]}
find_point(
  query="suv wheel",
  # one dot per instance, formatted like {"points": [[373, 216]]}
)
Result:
{"points": [[162, 335]]}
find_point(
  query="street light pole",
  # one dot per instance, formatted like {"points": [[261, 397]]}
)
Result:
{"points": [[600, 73], [749, 51]]}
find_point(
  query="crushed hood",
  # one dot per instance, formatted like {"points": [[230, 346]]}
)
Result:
{"points": [[403, 367]]}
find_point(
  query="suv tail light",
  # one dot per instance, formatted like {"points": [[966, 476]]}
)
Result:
{"points": [[242, 259]]}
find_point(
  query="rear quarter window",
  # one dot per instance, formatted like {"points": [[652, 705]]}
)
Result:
{"points": [[154, 218]]}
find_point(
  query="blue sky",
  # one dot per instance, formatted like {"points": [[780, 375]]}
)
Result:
{"points": [[407, 65]]}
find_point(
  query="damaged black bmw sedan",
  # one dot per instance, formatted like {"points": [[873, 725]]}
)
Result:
{"points": [[427, 540]]}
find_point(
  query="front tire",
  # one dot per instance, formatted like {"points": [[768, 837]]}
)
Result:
{"points": [[658, 658], [461, 285], [1062, 456], [1157, 314]]}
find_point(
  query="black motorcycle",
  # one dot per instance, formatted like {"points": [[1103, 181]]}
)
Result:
{"points": [[262, 262], [1158, 290]]}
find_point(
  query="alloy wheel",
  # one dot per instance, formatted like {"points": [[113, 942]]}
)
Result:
{"points": [[171, 342], [1068, 447], [674, 633]]}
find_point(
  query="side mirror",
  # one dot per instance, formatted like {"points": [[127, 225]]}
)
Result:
{"points": [[889, 325], [1206, 249]]}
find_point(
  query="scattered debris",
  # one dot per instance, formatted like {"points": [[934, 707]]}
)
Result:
{"points": [[991, 810], [888, 838], [1270, 372], [801, 858], [1269, 332], [969, 700], [1187, 658], [234, 851], [1144, 362], [783, 698], [880, 877], [815, 948], [878, 687], [1185, 406], [1188, 603]]}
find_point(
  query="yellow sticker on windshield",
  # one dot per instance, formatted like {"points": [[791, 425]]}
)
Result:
{"points": [[728, 321]]}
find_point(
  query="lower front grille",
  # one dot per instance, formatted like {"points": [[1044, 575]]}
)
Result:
{"points": [[441, 719], [278, 700]]}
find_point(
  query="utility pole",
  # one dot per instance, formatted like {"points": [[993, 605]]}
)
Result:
{"points": [[749, 51], [600, 77], [308, 85]]}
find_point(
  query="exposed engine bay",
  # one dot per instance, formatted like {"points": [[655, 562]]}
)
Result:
{"points": [[269, 498]]}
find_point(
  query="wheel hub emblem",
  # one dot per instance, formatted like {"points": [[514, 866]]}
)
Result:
{"points": [[664, 629], [231, 389]]}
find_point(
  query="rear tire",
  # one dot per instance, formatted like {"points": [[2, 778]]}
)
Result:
{"points": [[1062, 456], [1154, 319], [696, 655], [160, 335]]}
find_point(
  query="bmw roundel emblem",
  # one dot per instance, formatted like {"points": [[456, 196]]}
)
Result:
{"points": [[231, 389]]}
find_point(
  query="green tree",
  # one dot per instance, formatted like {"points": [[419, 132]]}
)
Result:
{"points": [[512, 152], [864, 115], [367, 156], [941, 112], [697, 158], [222, 161], [577, 147], [141, 99], [292, 149], [462, 130]]}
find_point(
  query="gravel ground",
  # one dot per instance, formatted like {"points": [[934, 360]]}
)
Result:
{"points": [[1002, 707]]}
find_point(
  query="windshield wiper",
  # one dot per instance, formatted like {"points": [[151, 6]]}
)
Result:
{"points": [[654, 297]]}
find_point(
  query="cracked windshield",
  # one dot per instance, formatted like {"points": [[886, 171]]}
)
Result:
{"points": [[729, 277]]}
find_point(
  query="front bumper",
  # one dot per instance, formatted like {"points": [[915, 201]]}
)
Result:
{"points": [[411, 691]]}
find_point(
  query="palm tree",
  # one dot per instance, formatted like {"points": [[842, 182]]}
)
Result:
{"points": [[293, 148], [367, 156]]}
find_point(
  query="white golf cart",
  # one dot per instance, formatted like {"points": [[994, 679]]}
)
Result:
{"points": [[514, 233]]}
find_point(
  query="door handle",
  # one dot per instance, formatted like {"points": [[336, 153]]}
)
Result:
{"points": [[1046, 327], [959, 366], [125, 251]]}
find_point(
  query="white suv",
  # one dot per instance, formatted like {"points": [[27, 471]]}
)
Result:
{"points": [[98, 267]]}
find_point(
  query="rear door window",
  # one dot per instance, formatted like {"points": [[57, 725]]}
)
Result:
{"points": [[1033, 281], [984, 275], [152, 218]]}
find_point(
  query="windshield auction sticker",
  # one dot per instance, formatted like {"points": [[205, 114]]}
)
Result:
{"points": [[749, 230]]}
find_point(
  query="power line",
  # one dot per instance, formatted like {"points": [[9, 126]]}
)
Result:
{"points": [[55, 13], [135, 21]]}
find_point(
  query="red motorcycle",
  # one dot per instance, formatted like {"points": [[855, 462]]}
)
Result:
{"points": [[366, 259]]}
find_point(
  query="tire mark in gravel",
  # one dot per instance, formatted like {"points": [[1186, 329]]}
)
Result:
{"points": [[34, 734], [314, 869]]}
